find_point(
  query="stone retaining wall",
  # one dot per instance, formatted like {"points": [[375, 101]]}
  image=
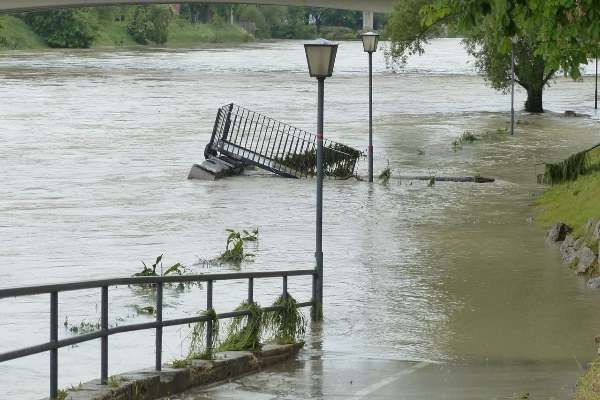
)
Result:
{"points": [[150, 384]]}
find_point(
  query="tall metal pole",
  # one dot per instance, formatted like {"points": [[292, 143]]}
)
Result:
{"points": [[370, 116], [512, 92], [596, 91], [319, 235]]}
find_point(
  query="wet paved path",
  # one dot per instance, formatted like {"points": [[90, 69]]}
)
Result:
{"points": [[348, 378]]}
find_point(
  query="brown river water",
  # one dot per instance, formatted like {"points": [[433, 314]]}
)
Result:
{"points": [[95, 147]]}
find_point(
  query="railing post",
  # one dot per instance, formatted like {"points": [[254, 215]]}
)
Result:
{"points": [[104, 339], [250, 290], [159, 328], [53, 339], [209, 323], [285, 289], [314, 311]]}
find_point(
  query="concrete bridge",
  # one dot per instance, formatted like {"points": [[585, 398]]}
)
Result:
{"points": [[367, 6]]}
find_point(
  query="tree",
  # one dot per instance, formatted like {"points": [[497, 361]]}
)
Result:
{"points": [[150, 23], [488, 28], [67, 28]]}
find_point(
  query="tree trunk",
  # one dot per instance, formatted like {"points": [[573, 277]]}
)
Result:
{"points": [[534, 100]]}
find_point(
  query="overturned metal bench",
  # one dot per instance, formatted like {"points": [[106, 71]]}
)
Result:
{"points": [[250, 138]]}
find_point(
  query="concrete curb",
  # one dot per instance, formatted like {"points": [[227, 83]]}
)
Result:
{"points": [[149, 384]]}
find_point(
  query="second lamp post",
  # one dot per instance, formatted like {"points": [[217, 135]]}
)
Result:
{"points": [[320, 56], [370, 42]]}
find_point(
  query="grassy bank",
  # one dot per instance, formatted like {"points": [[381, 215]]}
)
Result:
{"points": [[184, 34], [588, 385], [113, 34], [16, 34], [573, 202]]}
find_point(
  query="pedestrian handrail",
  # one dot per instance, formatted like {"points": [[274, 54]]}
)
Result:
{"points": [[278, 147], [158, 282]]}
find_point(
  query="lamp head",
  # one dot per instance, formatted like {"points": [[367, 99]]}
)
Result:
{"points": [[370, 41], [320, 55]]}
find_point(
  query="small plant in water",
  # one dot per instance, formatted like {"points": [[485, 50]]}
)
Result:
{"points": [[61, 394], [385, 175], [83, 328], [234, 250], [149, 310], [176, 269], [465, 137], [114, 381]]}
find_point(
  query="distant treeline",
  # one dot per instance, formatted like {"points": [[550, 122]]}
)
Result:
{"points": [[159, 24]]}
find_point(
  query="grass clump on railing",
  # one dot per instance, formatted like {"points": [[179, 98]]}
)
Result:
{"points": [[199, 349], [245, 331], [234, 249], [287, 323]]}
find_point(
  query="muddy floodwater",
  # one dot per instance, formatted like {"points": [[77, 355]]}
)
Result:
{"points": [[95, 147]]}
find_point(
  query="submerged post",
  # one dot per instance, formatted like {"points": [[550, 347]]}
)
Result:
{"points": [[320, 56], [104, 339], [209, 323], [159, 328], [53, 339]]}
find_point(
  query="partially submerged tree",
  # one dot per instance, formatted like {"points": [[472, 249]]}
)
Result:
{"points": [[488, 27]]}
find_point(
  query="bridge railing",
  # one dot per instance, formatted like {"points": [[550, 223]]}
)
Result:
{"points": [[158, 282]]}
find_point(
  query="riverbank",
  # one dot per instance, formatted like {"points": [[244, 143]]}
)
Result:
{"points": [[16, 34], [573, 206]]}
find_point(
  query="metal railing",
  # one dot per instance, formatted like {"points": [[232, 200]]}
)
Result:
{"points": [[276, 146], [105, 331]]}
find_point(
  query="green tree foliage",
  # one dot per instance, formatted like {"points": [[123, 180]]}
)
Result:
{"points": [[69, 28], [150, 24], [570, 30], [489, 26]]}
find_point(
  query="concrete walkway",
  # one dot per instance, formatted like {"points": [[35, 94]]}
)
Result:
{"points": [[345, 376]]}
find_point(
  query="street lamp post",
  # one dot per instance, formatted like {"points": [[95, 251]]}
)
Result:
{"points": [[370, 42], [320, 56]]}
